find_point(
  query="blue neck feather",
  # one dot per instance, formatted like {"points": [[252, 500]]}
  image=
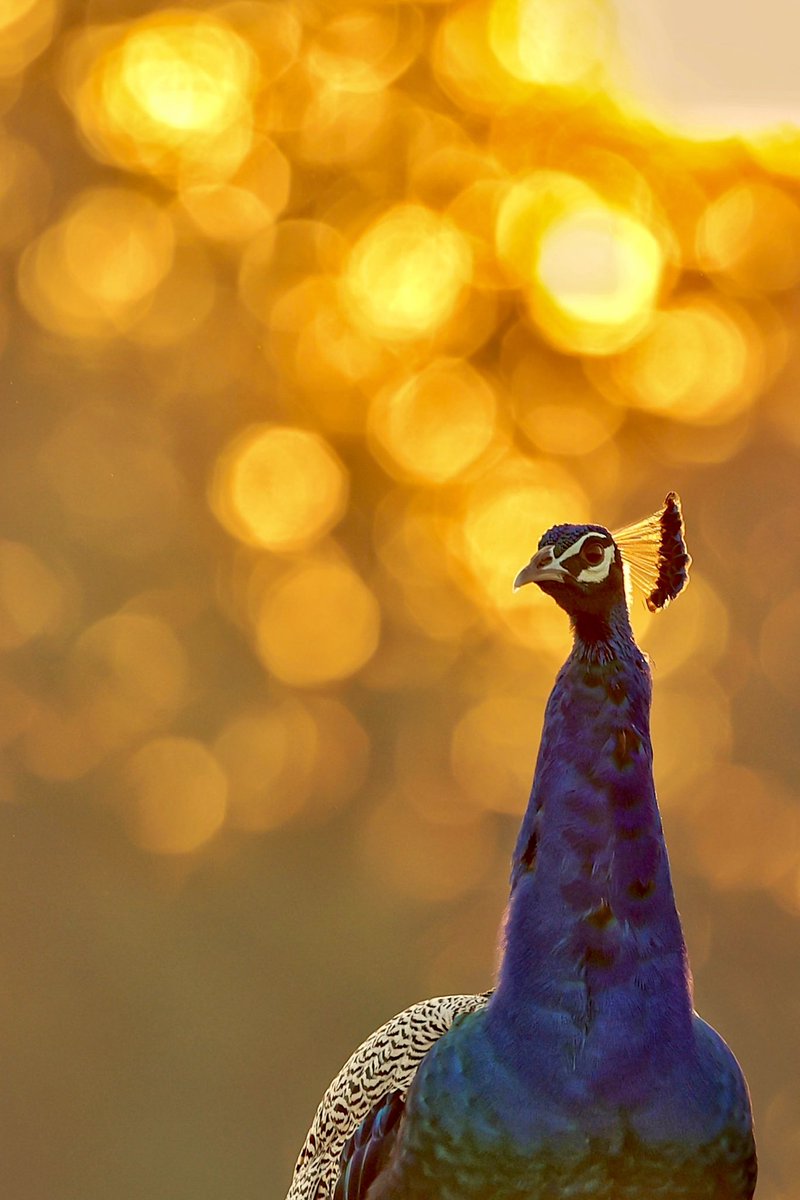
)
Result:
{"points": [[594, 954]]}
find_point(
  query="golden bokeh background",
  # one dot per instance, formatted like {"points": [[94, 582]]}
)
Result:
{"points": [[315, 315]]}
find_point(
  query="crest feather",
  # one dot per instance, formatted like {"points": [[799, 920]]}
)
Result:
{"points": [[654, 550]]}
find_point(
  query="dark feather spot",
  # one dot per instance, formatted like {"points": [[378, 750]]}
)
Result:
{"points": [[593, 676], [594, 956], [600, 916], [628, 744], [585, 842], [528, 858], [626, 793], [641, 889]]}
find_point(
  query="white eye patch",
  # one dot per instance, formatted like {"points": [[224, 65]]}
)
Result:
{"points": [[595, 573], [598, 572]]}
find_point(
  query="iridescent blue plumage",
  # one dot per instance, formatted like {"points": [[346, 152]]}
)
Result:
{"points": [[587, 1074]]}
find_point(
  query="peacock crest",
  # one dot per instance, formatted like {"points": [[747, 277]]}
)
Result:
{"points": [[654, 552]]}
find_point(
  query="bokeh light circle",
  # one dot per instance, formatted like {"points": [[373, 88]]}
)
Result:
{"points": [[93, 273], [407, 273], [170, 94], [318, 624], [698, 362], [178, 794], [597, 275], [435, 424], [279, 487], [549, 42]]}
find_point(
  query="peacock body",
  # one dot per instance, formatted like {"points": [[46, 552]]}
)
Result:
{"points": [[585, 1073]]}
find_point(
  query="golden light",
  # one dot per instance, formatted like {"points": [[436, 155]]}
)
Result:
{"points": [[177, 796], [597, 276], [279, 487], [364, 50], [184, 76], [289, 759], [16, 11], [170, 94], [692, 734], [697, 631], [474, 209], [445, 168], [577, 427], [727, 806], [491, 751], [273, 31], [285, 256], [127, 675], [25, 187], [711, 73], [550, 42], [267, 756], [700, 362], [283, 111], [530, 207], [466, 66], [505, 514], [4, 323], [557, 407], [18, 709], [780, 1125], [472, 326], [777, 149], [113, 478], [779, 631], [407, 274], [93, 273], [749, 238], [423, 858], [26, 27], [181, 304], [340, 127], [406, 660], [31, 596], [57, 747], [435, 424], [333, 361], [319, 623], [340, 764], [237, 210], [413, 543]]}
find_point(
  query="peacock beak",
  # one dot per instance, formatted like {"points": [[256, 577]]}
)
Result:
{"points": [[542, 568]]}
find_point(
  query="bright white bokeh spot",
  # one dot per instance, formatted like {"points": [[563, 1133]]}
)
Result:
{"points": [[714, 68]]}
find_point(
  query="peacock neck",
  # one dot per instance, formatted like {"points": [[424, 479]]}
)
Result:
{"points": [[592, 929]]}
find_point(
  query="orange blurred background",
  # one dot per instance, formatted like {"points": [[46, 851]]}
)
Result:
{"points": [[316, 315]]}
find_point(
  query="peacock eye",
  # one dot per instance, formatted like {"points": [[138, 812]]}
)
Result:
{"points": [[593, 554]]}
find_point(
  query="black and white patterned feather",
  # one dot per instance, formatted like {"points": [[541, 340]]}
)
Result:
{"points": [[385, 1063]]}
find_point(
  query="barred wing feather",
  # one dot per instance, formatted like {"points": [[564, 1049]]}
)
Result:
{"points": [[386, 1062]]}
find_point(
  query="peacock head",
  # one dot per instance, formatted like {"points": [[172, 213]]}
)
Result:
{"points": [[587, 569]]}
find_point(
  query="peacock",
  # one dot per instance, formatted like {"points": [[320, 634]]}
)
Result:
{"points": [[584, 1073]]}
